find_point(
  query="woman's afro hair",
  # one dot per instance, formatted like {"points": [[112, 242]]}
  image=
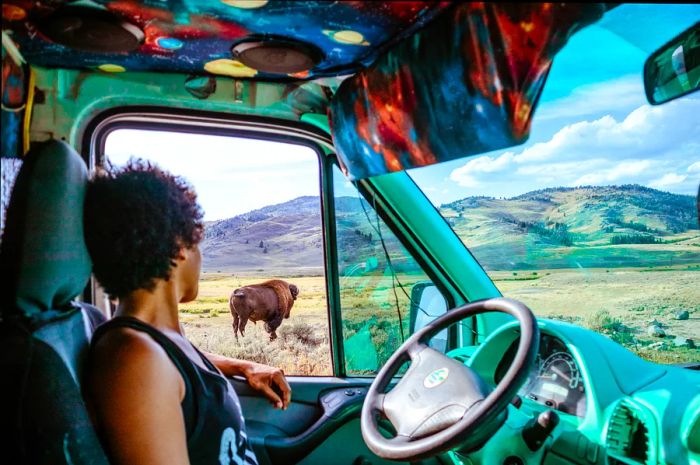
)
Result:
{"points": [[137, 218]]}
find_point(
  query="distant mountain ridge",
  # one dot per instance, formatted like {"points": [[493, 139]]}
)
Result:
{"points": [[562, 227], [538, 229]]}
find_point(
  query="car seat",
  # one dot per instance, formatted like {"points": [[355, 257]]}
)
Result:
{"points": [[44, 334]]}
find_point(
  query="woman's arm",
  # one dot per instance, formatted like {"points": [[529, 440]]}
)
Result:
{"points": [[261, 377], [134, 392]]}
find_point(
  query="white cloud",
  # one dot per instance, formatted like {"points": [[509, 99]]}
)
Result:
{"points": [[668, 179], [600, 98], [648, 146], [464, 179], [622, 170], [646, 130], [483, 164]]}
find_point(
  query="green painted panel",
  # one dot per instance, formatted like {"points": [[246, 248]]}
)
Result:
{"points": [[71, 98]]}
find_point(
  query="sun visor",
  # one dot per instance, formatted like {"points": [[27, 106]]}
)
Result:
{"points": [[466, 84]]}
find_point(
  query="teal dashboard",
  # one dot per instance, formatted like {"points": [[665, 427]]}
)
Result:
{"points": [[613, 407]]}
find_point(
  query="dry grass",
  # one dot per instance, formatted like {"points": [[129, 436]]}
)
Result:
{"points": [[632, 296], [604, 300], [302, 347]]}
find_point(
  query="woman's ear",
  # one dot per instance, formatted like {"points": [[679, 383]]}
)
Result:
{"points": [[181, 254], [182, 251]]}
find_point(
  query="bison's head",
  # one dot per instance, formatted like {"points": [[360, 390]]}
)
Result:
{"points": [[294, 290]]}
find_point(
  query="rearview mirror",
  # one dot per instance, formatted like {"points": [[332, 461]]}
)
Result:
{"points": [[427, 304], [674, 69]]}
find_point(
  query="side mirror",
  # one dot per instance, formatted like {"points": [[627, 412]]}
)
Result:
{"points": [[674, 70], [427, 304]]}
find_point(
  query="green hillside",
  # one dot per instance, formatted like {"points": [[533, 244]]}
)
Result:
{"points": [[273, 239], [590, 227]]}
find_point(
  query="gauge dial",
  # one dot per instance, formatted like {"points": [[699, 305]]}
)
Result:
{"points": [[555, 381], [561, 369]]}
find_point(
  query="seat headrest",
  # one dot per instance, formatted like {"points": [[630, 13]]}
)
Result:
{"points": [[44, 259]]}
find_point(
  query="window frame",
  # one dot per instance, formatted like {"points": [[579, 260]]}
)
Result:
{"points": [[205, 123], [159, 118], [389, 217]]}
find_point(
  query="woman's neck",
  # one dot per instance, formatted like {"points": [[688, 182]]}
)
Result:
{"points": [[157, 307]]}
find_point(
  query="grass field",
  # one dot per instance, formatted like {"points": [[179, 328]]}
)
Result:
{"points": [[606, 300], [303, 343], [616, 302]]}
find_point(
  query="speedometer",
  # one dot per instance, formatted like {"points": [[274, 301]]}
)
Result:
{"points": [[556, 380], [559, 384], [561, 369]]}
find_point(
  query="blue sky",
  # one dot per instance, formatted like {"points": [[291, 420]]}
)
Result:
{"points": [[593, 126]]}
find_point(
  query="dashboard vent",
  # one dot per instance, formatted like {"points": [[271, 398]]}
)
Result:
{"points": [[628, 437]]}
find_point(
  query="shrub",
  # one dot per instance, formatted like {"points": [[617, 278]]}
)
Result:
{"points": [[634, 239], [602, 322]]}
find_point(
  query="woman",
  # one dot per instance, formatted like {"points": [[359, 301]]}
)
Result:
{"points": [[155, 398]]}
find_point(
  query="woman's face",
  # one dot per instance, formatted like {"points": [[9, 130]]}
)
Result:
{"points": [[189, 273]]}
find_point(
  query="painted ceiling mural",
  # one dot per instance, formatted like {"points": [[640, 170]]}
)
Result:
{"points": [[467, 84], [196, 36]]}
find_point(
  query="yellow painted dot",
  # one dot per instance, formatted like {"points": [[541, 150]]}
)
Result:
{"points": [[226, 67], [246, 4], [110, 68], [349, 37]]}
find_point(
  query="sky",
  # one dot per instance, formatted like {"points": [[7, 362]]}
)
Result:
{"points": [[592, 127]]}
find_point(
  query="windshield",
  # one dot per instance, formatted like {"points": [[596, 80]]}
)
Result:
{"points": [[594, 220]]}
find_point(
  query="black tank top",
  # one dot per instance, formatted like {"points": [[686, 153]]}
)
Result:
{"points": [[213, 420]]}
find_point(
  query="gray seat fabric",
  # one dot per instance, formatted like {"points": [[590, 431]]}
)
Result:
{"points": [[44, 334]]}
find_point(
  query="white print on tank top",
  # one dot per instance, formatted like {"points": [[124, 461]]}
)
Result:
{"points": [[231, 453]]}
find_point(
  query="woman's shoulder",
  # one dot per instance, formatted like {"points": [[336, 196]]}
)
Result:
{"points": [[126, 355], [124, 343]]}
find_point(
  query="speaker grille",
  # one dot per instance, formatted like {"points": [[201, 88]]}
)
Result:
{"points": [[91, 30], [277, 56]]}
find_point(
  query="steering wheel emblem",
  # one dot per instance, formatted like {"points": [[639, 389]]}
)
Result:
{"points": [[436, 378]]}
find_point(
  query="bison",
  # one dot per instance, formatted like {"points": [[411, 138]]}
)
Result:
{"points": [[270, 301]]}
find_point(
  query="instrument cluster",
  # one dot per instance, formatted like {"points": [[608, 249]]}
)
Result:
{"points": [[556, 379]]}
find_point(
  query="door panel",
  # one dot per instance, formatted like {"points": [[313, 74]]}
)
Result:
{"points": [[345, 447], [321, 425], [319, 407]]}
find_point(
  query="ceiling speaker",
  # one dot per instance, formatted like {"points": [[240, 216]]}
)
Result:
{"points": [[91, 30], [278, 56]]}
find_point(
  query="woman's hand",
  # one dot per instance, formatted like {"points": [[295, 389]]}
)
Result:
{"points": [[265, 378], [261, 377]]}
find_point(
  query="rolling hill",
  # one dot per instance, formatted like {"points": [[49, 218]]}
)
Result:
{"points": [[609, 226]]}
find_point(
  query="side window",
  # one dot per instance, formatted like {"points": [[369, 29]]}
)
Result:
{"points": [[262, 215], [384, 293]]}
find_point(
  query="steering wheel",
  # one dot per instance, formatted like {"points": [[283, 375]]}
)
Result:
{"points": [[440, 403]]}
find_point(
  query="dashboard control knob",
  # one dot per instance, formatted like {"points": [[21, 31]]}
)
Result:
{"points": [[537, 431]]}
